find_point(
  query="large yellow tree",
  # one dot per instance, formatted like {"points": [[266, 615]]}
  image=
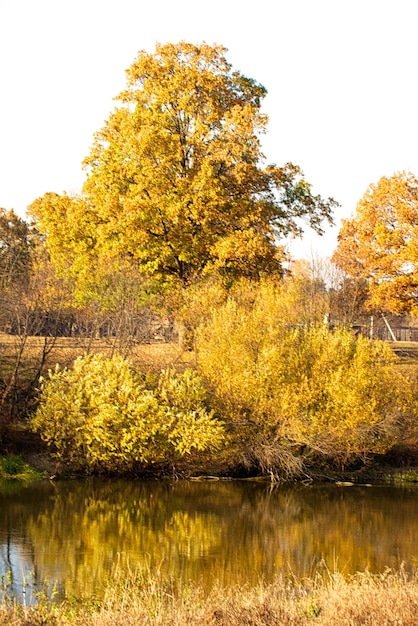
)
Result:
{"points": [[380, 244], [176, 179]]}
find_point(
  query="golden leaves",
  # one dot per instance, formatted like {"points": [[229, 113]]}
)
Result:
{"points": [[379, 244], [301, 386], [100, 415], [177, 169]]}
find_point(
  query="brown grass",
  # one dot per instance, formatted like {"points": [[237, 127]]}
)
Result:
{"points": [[330, 600], [152, 356]]}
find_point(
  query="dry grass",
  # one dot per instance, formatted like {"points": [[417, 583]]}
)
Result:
{"points": [[330, 600], [152, 356]]}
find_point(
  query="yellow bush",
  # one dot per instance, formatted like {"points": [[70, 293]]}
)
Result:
{"points": [[296, 392], [99, 415]]}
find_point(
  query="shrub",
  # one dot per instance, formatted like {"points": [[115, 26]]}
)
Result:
{"points": [[301, 392], [13, 466], [99, 415]]}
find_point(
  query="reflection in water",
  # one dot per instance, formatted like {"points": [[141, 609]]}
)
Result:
{"points": [[75, 533]]}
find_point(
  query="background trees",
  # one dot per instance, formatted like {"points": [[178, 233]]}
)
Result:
{"points": [[33, 302], [380, 244], [176, 181]]}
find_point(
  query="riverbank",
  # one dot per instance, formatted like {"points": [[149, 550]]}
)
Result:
{"points": [[26, 448], [39, 466], [325, 600]]}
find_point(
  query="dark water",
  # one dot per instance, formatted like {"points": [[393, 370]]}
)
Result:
{"points": [[78, 534]]}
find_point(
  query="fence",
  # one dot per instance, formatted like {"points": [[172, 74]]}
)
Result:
{"points": [[401, 333]]}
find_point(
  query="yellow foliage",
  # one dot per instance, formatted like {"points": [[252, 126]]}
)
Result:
{"points": [[100, 415], [379, 244], [176, 179], [301, 388]]}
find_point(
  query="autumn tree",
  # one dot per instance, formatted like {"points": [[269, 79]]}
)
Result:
{"points": [[176, 181], [33, 302], [348, 298], [379, 244], [304, 298]]}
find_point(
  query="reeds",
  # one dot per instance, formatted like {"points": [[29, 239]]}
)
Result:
{"points": [[327, 599]]}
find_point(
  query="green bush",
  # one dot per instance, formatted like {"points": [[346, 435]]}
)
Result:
{"points": [[99, 415], [13, 466]]}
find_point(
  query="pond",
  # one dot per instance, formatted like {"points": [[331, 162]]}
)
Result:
{"points": [[75, 535]]}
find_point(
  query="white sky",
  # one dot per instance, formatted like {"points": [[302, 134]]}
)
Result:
{"points": [[341, 77]]}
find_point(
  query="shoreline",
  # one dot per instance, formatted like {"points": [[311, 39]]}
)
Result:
{"points": [[400, 467], [42, 464]]}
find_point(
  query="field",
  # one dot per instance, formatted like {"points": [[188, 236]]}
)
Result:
{"points": [[64, 350]]}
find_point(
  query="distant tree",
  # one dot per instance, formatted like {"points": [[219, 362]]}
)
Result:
{"points": [[33, 302], [305, 298], [348, 299], [14, 249], [176, 181], [380, 244]]}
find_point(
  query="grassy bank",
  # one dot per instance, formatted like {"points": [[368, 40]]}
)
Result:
{"points": [[326, 600]]}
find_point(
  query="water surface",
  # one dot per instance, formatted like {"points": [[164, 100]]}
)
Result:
{"points": [[76, 534]]}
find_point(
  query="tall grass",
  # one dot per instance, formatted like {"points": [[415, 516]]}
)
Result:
{"points": [[327, 599]]}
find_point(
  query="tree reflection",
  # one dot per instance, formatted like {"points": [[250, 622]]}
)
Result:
{"points": [[80, 533]]}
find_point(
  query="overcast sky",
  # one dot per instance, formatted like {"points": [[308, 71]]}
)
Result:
{"points": [[341, 77]]}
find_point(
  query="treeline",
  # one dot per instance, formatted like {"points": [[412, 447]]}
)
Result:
{"points": [[273, 388]]}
